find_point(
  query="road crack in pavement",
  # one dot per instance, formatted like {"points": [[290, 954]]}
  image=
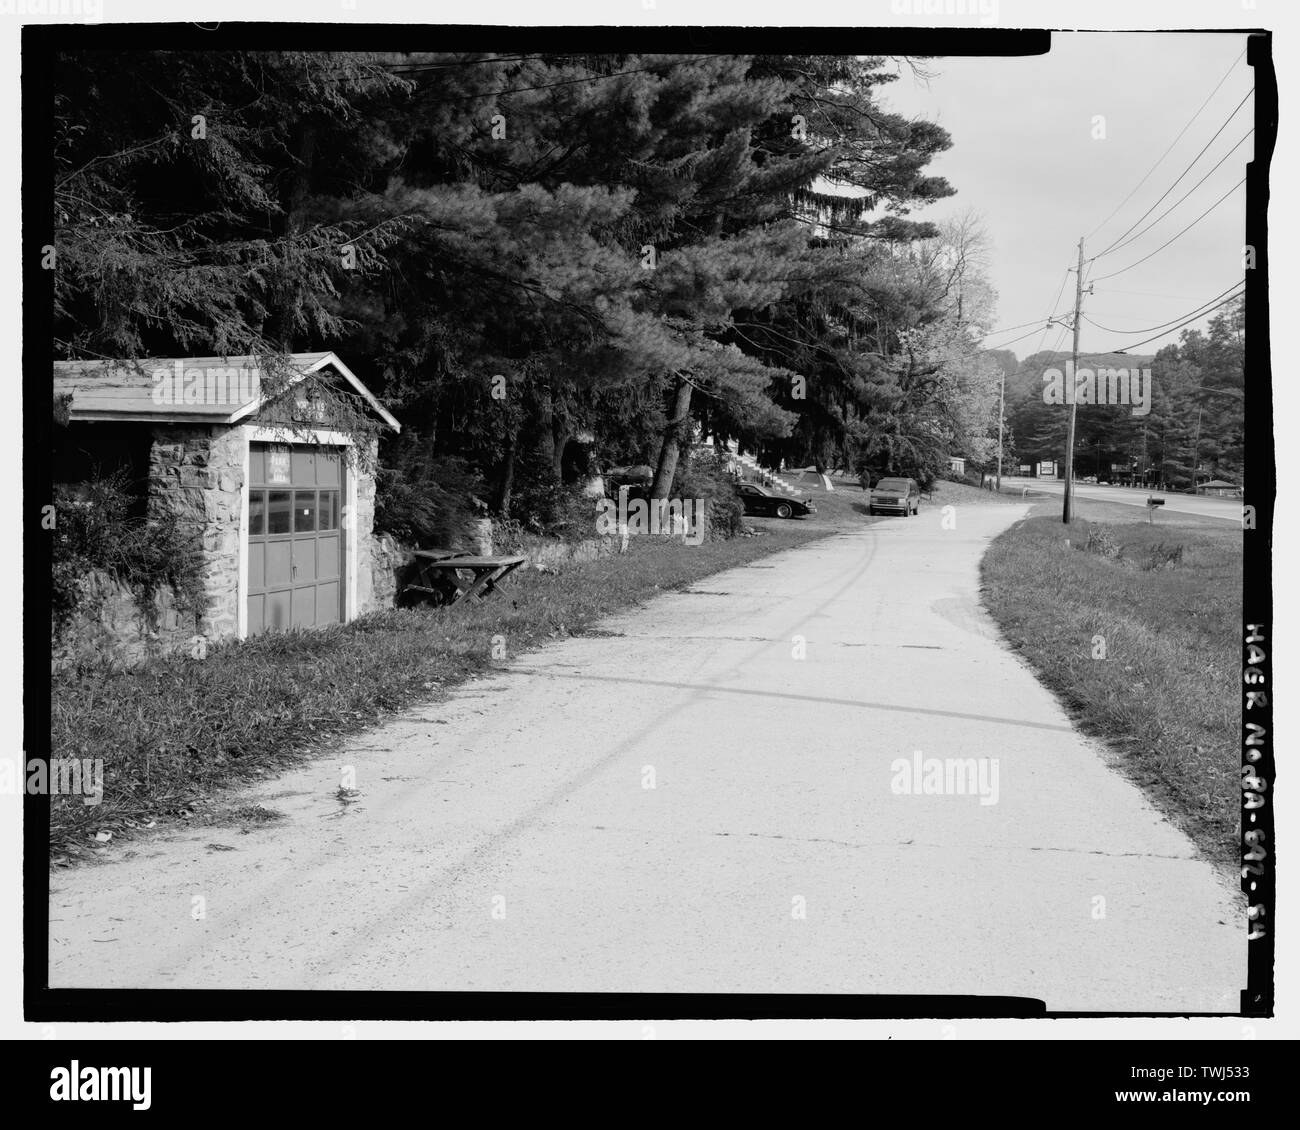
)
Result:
{"points": [[676, 833], [787, 695], [978, 847]]}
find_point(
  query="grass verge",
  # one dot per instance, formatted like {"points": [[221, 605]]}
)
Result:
{"points": [[175, 732], [1137, 629]]}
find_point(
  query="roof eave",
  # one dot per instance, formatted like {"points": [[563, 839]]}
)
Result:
{"points": [[348, 375]]}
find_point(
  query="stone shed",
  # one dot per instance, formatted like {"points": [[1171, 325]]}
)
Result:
{"points": [[282, 514]]}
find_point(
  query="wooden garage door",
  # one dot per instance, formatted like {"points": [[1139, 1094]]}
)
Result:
{"points": [[295, 547]]}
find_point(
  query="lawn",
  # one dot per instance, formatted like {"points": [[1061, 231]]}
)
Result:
{"points": [[1136, 626]]}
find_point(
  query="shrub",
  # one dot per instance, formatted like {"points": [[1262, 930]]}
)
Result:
{"points": [[1160, 555], [1101, 543], [701, 475], [422, 500], [94, 529], [507, 535], [971, 477], [871, 473], [574, 514], [543, 505], [536, 497]]}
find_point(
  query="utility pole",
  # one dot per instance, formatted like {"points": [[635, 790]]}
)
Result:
{"points": [[1073, 389], [1196, 447], [1002, 414]]}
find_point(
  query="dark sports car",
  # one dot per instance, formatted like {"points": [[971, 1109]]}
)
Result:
{"points": [[760, 501]]}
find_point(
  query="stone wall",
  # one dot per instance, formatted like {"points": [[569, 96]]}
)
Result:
{"points": [[383, 570], [113, 626], [549, 555], [386, 565], [195, 483], [373, 582], [196, 480]]}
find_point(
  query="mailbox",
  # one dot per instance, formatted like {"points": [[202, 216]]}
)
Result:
{"points": [[1154, 502]]}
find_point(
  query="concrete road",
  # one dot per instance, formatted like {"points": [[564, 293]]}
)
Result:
{"points": [[1228, 509], [712, 794]]}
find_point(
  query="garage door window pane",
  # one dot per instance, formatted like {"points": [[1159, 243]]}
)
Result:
{"points": [[304, 511], [257, 512], [279, 512], [329, 510]]}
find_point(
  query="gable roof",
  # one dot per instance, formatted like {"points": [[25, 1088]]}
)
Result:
{"points": [[153, 389]]}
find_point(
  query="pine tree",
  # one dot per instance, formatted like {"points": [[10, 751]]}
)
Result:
{"points": [[174, 229]]}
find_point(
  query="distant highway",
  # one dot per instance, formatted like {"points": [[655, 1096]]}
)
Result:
{"points": [[1228, 509]]}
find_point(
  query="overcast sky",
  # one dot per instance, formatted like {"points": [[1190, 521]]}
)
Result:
{"points": [[1023, 156]]}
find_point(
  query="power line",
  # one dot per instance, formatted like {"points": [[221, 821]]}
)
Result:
{"points": [[1180, 176], [1147, 329], [1057, 341], [995, 348], [1139, 235], [1185, 230], [1230, 298], [1008, 329], [1047, 318], [1171, 145], [1144, 293], [977, 352], [1124, 315]]}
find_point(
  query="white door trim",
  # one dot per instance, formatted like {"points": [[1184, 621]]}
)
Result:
{"points": [[241, 597], [351, 557]]}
